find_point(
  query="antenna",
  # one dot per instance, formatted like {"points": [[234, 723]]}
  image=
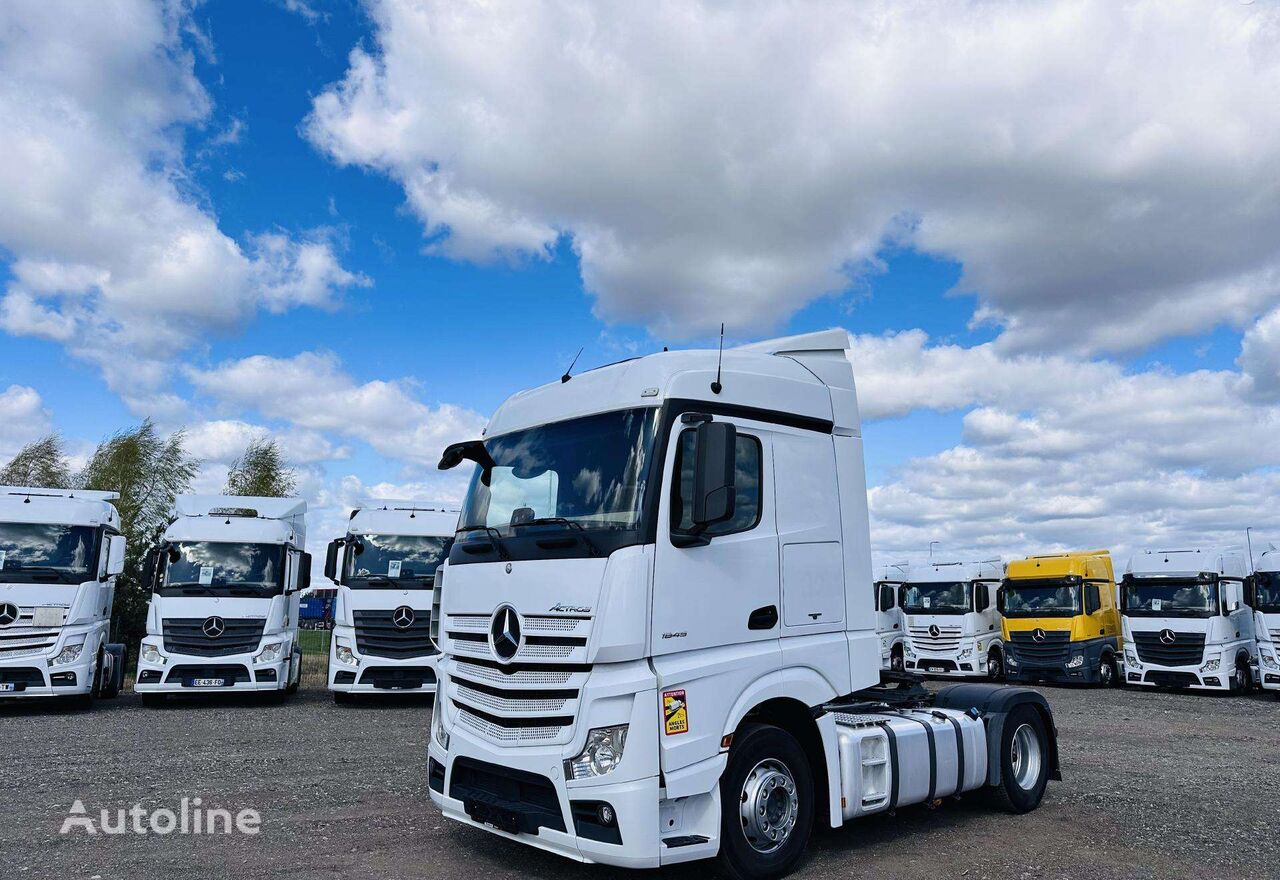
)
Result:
{"points": [[566, 377], [931, 543], [716, 386]]}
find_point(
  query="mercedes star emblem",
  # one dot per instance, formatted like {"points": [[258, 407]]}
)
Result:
{"points": [[504, 632], [214, 627], [402, 617], [1038, 635], [1168, 636], [8, 614], [935, 630]]}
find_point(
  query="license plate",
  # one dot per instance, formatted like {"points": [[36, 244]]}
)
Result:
{"points": [[935, 669], [503, 820], [7, 687], [208, 682]]}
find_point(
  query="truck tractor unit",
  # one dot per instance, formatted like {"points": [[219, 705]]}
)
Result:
{"points": [[1061, 623], [225, 581], [1186, 622], [952, 623], [60, 553], [1265, 595], [385, 568], [658, 628], [889, 619]]}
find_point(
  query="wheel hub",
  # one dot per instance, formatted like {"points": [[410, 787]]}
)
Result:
{"points": [[1026, 757], [769, 806]]}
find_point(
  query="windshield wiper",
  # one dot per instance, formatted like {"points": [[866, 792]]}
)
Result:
{"points": [[45, 570], [494, 535], [561, 521]]}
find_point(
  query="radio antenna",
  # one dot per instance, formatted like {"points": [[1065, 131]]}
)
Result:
{"points": [[566, 377], [716, 386]]}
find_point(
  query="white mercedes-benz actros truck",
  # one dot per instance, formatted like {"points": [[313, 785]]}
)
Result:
{"points": [[60, 553], [1265, 594], [1186, 623], [890, 627], [953, 625], [225, 580], [385, 569], [658, 629]]}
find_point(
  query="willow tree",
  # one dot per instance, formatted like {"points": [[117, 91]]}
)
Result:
{"points": [[261, 471]]}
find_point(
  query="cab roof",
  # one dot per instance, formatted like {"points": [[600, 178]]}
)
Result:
{"points": [[1081, 563], [430, 519], [1227, 561], [239, 518], [935, 572], [73, 507]]}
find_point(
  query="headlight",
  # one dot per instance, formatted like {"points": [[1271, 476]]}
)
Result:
{"points": [[1076, 662], [908, 651], [437, 724], [270, 653], [1212, 665], [601, 754], [965, 653], [1130, 657], [1269, 661], [70, 654], [151, 654], [1011, 659], [343, 652]]}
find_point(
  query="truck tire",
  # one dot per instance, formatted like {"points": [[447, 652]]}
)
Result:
{"points": [[1241, 678], [1024, 761], [896, 663], [1107, 676], [766, 804], [995, 665], [110, 687]]}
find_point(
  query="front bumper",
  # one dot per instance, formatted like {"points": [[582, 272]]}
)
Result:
{"points": [[1180, 677], [192, 674], [377, 675], [32, 678], [947, 665], [1267, 675]]}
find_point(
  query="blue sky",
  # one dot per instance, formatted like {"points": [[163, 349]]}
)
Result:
{"points": [[1002, 298]]}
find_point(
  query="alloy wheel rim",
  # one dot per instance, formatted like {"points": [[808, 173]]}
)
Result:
{"points": [[769, 806], [1026, 757]]}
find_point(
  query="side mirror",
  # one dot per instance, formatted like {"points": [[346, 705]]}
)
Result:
{"points": [[715, 474], [1000, 599], [150, 569], [115, 555], [331, 560], [304, 573], [1251, 591]]}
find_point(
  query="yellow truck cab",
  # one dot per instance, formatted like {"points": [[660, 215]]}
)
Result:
{"points": [[1061, 622]]}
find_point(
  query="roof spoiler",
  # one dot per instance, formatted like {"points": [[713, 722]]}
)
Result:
{"points": [[77, 494], [834, 339], [239, 505]]}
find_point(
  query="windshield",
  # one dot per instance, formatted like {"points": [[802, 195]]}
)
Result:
{"points": [[1268, 601], [951, 597], [46, 552], [1170, 597], [409, 560], [576, 476], [1041, 600], [221, 568]]}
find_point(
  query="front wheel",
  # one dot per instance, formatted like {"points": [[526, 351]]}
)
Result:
{"points": [[896, 663], [1107, 671], [1024, 761], [1241, 679], [766, 804], [995, 666]]}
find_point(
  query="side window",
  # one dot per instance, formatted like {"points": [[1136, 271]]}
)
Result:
{"points": [[746, 506], [981, 598], [1092, 599], [886, 598]]}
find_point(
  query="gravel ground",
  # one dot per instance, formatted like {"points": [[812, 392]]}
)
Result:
{"points": [[1156, 785]]}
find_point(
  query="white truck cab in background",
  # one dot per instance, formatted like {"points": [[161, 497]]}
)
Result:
{"points": [[1186, 622], [225, 580], [60, 553], [385, 568], [890, 621], [953, 624], [1265, 594], [658, 629]]}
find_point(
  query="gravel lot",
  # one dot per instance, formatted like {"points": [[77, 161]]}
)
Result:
{"points": [[1156, 785]]}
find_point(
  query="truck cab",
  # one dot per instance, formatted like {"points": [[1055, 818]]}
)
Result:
{"points": [[1061, 623], [889, 619], [225, 580], [60, 553], [658, 629], [952, 623], [1186, 622], [385, 568], [1265, 593]]}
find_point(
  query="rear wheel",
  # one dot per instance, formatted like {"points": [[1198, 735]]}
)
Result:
{"points": [[1024, 761], [995, 666], [1241, 678], [895, 659], [767, 804]]}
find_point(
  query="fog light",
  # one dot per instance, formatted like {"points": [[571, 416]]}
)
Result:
{"points": [[605, 815]]}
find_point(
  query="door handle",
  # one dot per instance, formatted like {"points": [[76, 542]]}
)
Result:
{"points": [[763, 618]]}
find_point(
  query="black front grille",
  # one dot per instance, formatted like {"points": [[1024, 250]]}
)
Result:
{"points": [[22, 677], [1172, 679], [229, 672], [1185, 649], [514, 800], [377, 635], [1050, 650], [398, 677], [187, 636]]}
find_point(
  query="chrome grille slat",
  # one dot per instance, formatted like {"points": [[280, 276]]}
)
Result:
{"points": [[948, 639], [507, 705], [522, 677], [506, 734]]}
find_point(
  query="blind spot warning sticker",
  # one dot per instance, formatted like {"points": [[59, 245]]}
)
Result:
{"points": [[675, 712]]}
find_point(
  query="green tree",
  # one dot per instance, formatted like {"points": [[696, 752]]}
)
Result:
{"points": [[261, 471], [149, 471], [41, 464]]}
